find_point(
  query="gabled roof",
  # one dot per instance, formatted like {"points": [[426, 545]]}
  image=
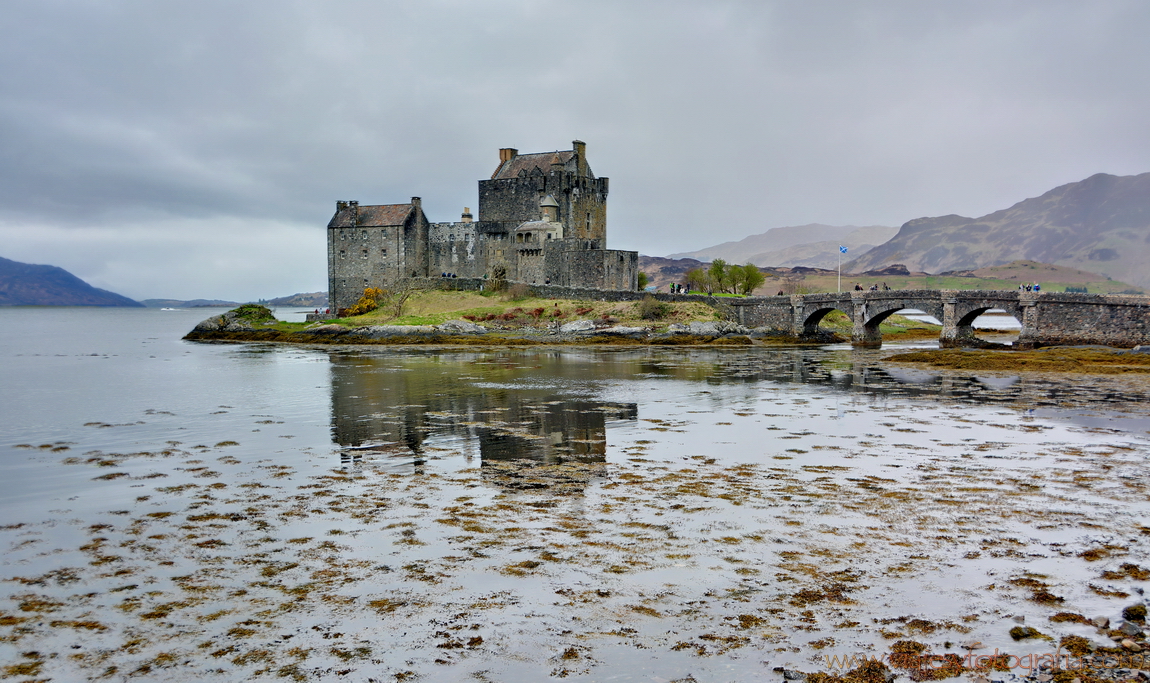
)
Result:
{"points": [[371, 216], [526, 163]]}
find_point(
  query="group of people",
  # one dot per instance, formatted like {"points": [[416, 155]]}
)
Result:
{"points": [[1027, 287], [873, 288], [448, 275], [677, 288]]}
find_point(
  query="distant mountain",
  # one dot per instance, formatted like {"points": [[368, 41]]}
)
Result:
{"points": [[309, 299], [663, 271], [26, 284], [1100, 224], [304, 299], [814, 245], [190, 303]]}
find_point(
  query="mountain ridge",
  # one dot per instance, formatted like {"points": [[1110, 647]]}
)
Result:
{"points": [[811, 245], [1100, 224], [29, 284]]}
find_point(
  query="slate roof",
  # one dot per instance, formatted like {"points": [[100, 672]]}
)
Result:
{"points": [[530, 162], [371, 216]]}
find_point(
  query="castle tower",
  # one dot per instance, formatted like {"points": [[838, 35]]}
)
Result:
{"points": [[521, 181]]}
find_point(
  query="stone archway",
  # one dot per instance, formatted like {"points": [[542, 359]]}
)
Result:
{"points": [[814, 314]]}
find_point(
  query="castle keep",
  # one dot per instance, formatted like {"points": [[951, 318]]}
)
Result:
{"points": [[542, 220]]}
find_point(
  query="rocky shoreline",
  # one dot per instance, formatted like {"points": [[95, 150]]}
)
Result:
{"points": [[234, 327]]}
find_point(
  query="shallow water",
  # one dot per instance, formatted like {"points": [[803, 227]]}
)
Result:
{"points": [[177, 511]]}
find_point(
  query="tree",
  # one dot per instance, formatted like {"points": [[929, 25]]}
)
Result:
{"points": [[700, 281], [750, 278], [720, 275], [643, 280]]}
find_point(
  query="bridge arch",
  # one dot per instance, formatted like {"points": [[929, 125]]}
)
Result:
{"points": [[813, 314], [968, 308], [871, 312]]}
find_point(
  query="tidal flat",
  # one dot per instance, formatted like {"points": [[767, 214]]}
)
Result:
{"points": [[590, 514]]}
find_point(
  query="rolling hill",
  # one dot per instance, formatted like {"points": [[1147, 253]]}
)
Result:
{"points": [[26, 284], [1100, 224], [814, 245]]}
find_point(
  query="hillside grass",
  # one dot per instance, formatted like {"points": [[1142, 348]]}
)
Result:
{"points": [[436, 307], [503, 311]]}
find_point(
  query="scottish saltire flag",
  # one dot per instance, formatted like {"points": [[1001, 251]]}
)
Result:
{"points": [[842, 249]]}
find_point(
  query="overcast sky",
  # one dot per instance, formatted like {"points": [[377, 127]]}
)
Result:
{"points": [[196, 148]]}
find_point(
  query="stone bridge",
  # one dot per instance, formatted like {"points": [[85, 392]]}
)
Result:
{"points": [[1048, 318]]}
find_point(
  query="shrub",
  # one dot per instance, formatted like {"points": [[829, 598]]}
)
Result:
{"points": [[643, 280], [583, 310], [518, 292], [368, 302], [650, 309]]}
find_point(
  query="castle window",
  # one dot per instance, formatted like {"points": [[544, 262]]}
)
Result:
{"points": [[588, 220], [365, 253], [364, 234], [383, 253], [342, 253]]}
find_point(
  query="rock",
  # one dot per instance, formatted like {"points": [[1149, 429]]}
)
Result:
{"points": [[1019, 619], [384, 331], [716, 328], [577, 326], [621, 331], [326, 330], [237, 326], [1141, 348], [1101, 622], [1131, 645], [462, 327], [1130, 629], [792, 675], [678, 328], [212, 324]]}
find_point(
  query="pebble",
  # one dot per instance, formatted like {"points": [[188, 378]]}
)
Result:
{"points": [[1101, 622]]}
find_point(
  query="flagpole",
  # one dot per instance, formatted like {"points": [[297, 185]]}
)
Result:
{"points": [[840, 269]]}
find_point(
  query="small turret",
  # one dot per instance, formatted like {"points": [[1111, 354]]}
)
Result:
{"points": [[550, 208], [466, 217]]}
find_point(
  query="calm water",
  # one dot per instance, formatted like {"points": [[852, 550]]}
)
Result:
{"points": [[179, 511]]}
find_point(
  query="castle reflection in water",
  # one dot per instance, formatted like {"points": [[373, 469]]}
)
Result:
{"points": [[494, 406]]}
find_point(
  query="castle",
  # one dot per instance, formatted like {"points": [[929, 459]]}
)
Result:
{"points": [[542, 220]]}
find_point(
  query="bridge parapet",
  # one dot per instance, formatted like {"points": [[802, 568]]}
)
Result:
{"points": [[1048, 318]]}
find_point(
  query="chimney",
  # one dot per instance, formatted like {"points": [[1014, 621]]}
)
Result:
{"points": [[416, 202], [580, 148], [507, 154], [466, 218]]}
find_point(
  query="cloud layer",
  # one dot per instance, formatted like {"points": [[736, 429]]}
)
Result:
{"points": [[196, 149]]}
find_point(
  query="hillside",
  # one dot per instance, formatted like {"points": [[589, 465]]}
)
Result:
{"points": [[814, 245], [26, 284], [1100, 224], [192, 303], [304, 299]]}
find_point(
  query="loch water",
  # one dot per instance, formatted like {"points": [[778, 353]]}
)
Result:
{"points": [[177, 511]]}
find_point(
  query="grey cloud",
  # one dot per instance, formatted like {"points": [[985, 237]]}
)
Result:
{"points": [[714, 120]]}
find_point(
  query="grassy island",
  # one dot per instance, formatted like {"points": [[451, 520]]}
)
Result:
{"points": [[518, 318]]}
